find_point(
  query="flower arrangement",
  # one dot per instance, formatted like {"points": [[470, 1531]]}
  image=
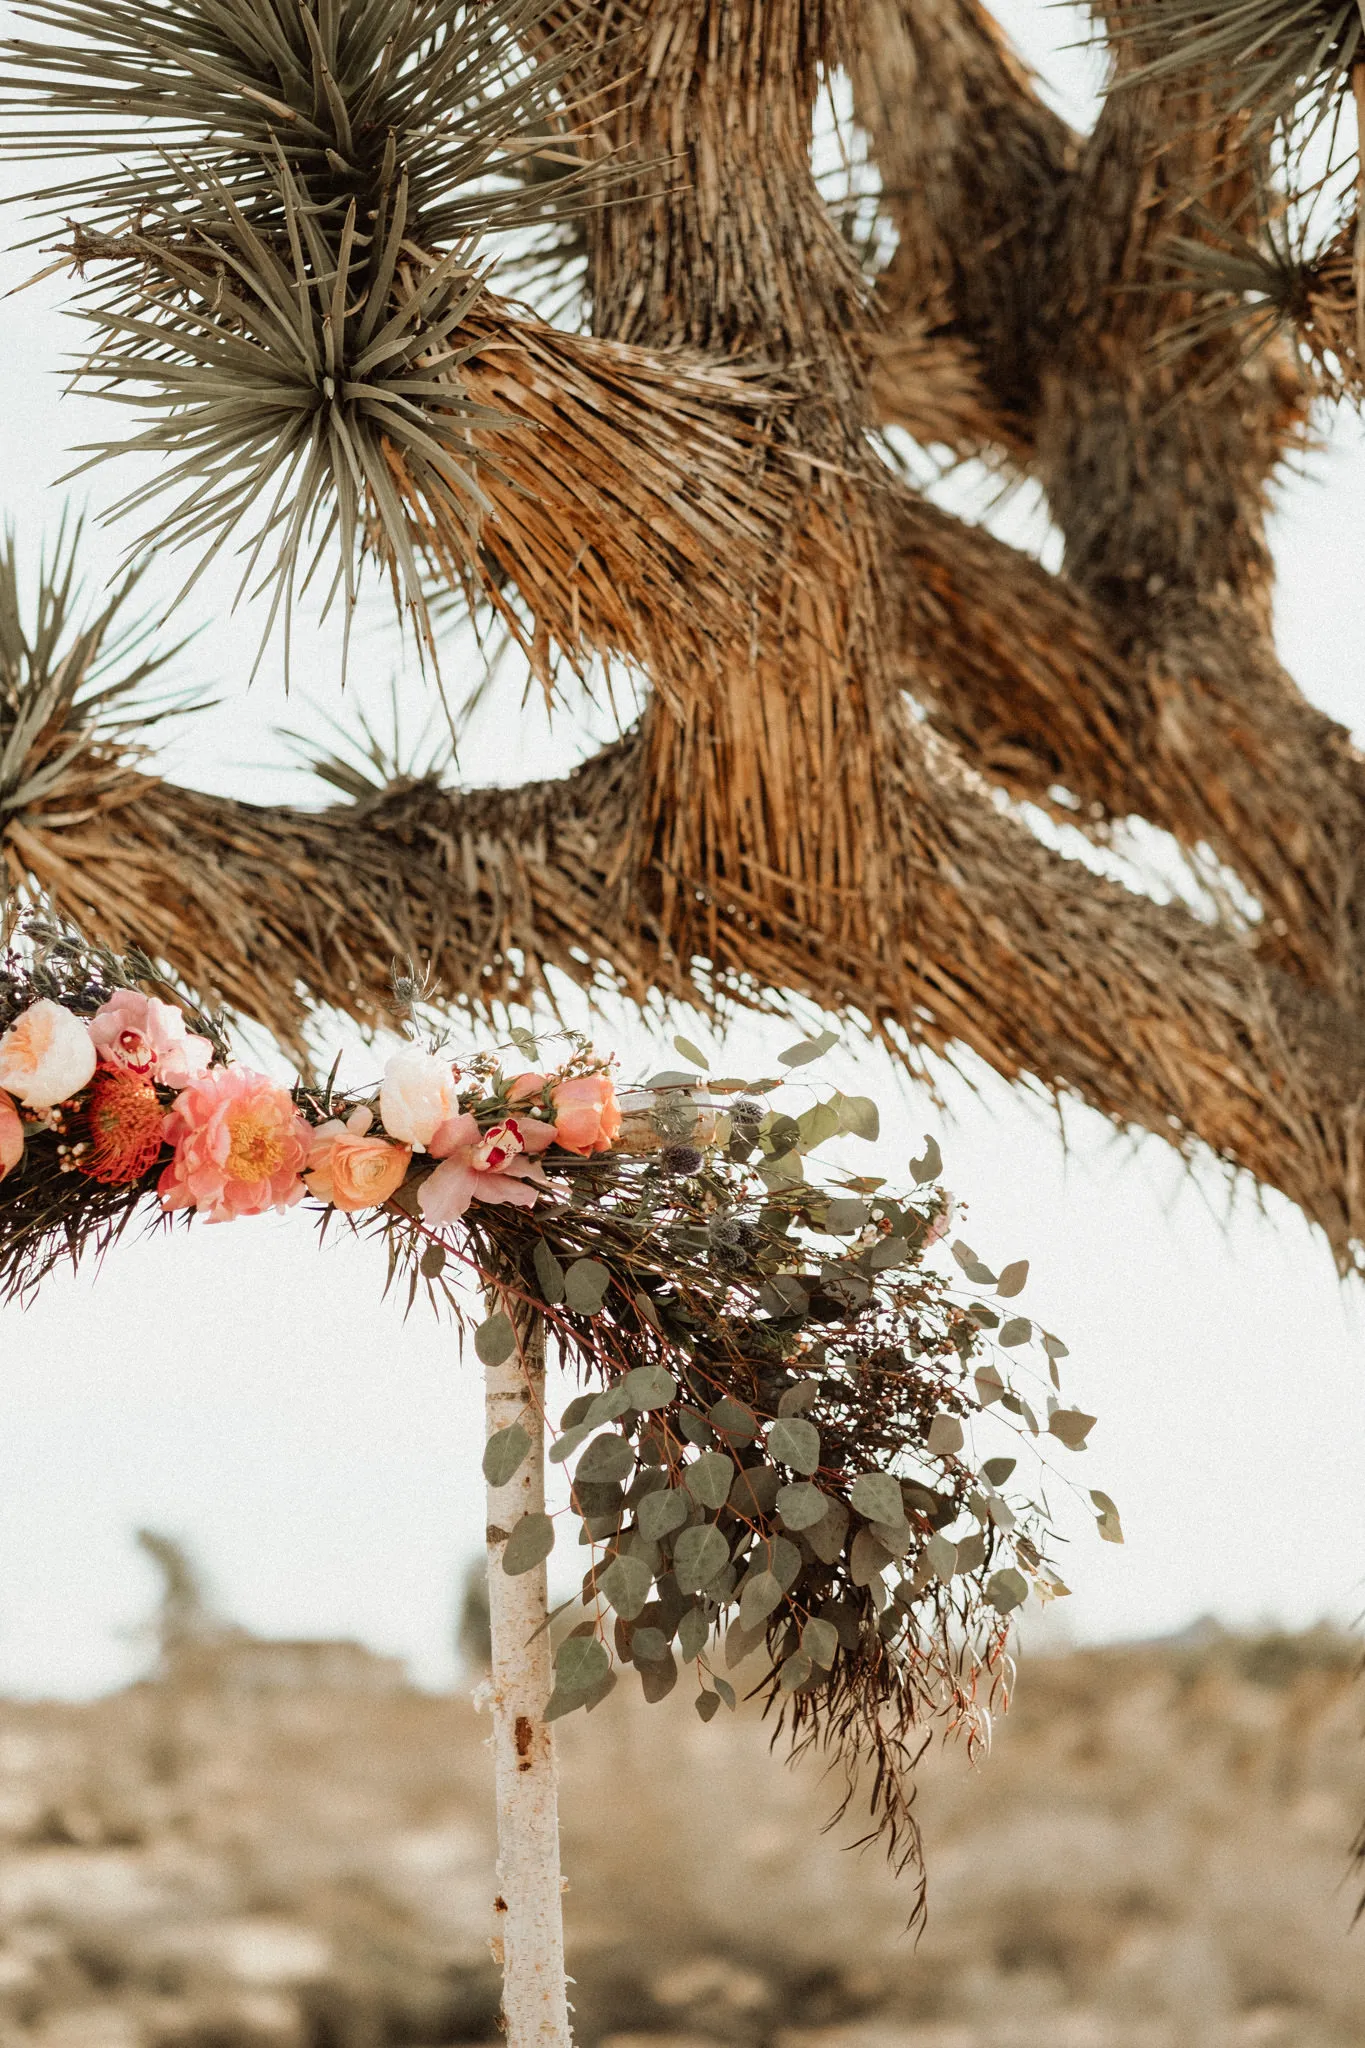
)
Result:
{"points": [[773, 1448]]}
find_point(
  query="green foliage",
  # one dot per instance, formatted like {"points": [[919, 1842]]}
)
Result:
{"points": [[528, 1545], [505, 1453], [495, 1339]]}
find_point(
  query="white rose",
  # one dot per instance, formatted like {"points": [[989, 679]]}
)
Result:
{"points": [[46, 1055], [418, 1096]]}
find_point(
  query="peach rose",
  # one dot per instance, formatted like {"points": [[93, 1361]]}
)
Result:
{"points": [[483, 1166], [148, 1037], [240, 1145], [46, 1056], [11, 1136], [587, 1114], [418, 1095], [350, 1169]]}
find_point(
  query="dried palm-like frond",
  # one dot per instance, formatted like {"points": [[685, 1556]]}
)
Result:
{"points": [[289, 376], [366, 763]]}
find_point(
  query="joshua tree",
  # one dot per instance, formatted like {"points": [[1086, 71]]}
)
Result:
{"points": [[184, 1616], [289, 225]]}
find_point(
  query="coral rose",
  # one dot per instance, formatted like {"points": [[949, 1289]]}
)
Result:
{"points": [[46, 1056], [418, 1095], [11, 1136], [483, 1166], [352, 1170], [148, 1037], [587, 1114], [240, 1145]]}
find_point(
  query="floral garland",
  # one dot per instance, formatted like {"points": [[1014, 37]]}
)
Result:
{"points": [[123, 1087], [772, 1452]]}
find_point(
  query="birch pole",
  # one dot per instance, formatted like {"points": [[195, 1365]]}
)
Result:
{"points": [[529, 1902]]}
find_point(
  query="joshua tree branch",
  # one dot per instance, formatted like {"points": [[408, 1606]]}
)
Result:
{"points": [[992, 941]]}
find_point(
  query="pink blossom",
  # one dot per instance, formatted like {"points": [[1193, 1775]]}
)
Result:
{"points": [[240, 1145], [11, 1136], [46, 1055], [942, 1223], [148, 1037], [484, 1166]]}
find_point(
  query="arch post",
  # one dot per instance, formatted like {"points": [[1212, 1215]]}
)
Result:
{"points": [[529, 1941]]}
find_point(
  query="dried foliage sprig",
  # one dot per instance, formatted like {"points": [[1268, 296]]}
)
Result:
{"points": [[772, 1451]]}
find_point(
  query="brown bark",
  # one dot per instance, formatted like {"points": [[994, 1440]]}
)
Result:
{"points": [[1144, 680]]}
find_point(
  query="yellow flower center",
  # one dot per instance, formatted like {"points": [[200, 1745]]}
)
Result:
{"points": [[257, 1148]]}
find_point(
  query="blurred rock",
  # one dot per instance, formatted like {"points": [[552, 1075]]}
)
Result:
{"points": [[1155, 1855]]}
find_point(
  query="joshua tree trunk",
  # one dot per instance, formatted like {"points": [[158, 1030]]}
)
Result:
{"points": [[528, 1904]]}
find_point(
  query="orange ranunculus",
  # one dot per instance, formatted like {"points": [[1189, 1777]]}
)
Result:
{"points": [[587, 1114], [351, 1170]]}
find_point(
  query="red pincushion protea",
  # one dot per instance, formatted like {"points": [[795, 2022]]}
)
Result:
{"points": [[126, 1125]]}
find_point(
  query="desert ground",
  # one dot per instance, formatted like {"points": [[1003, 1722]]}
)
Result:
{"points": [[293, 1849]]}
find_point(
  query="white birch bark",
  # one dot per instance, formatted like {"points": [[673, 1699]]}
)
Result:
{"points": [[529, 1905]]}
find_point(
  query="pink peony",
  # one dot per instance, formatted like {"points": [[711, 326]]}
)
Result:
{"points": [[240, 1145], [419, 1094], [587, 1114], [46, 1056], [11, 1136], [148, 1037], [352, 1170], [483, 1166]]}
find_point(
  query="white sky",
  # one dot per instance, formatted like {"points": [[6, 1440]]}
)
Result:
{"points": [[321, 1456]]}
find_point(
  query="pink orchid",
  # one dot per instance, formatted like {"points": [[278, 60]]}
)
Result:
{"points": [[148, 1037], [484, 1166]]}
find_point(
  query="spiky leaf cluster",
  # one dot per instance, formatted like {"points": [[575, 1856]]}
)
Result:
{"points": [[283, 239], [73, 677], [1273, 60]]}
